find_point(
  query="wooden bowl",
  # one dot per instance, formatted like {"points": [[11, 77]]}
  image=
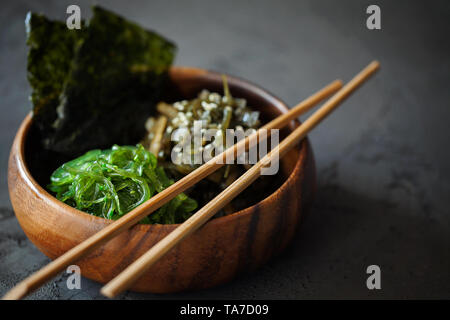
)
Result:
{"points": [[216, 253]]}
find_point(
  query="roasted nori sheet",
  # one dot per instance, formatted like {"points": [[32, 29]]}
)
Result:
{"points": [[94, 87], [51, 51]]}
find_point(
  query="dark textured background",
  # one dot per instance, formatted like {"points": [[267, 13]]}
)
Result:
{"points": [[383, 160]]}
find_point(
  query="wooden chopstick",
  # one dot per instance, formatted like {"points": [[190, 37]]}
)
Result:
{"points": [[134, 271], [131, 218]]}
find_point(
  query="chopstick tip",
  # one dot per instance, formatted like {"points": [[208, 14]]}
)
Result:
{"points": [[375, 64], [107, 292], [338, 83]]}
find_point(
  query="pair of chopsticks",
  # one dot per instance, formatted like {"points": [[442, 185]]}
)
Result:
{"points": [[127, 277]]}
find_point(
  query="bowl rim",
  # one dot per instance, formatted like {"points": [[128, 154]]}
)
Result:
{"points": [[213, 75]]}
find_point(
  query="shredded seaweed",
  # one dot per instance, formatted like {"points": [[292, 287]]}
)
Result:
{"points": [[112, 182]]}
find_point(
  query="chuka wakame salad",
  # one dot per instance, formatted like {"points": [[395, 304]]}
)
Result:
{"points": [[112, 182]]}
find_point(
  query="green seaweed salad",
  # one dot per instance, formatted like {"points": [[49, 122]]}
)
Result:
{"points": [[109, 183]]}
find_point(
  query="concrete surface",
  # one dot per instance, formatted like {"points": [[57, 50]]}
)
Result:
{"points": [[383, 159]]}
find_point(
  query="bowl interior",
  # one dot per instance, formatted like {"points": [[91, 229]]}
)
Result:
{"points": [[186, 83]]}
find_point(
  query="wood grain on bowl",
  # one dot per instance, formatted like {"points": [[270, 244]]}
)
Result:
{"points": [[216, 253]]}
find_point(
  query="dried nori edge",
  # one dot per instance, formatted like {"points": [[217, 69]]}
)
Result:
{"points": [[50, 54]]}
